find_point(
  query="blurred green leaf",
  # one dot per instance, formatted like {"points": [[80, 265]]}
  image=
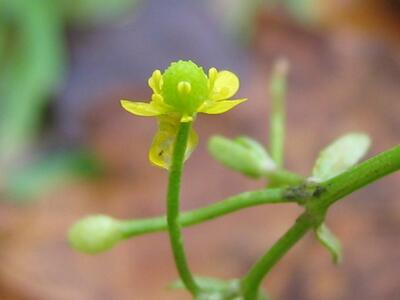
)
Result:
{"points": [[96, 11], [239, 19], [303, 10], [330, 242], [28, 182], [32, 65], [339, 156]]}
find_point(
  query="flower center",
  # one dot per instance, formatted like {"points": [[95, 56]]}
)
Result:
{"points": [[184, 86]]}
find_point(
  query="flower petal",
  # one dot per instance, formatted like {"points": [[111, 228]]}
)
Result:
{"points": [[155, 81], [192, 143], [160, 153], [162, 147], [220, 107], [225, 86], [142, 108]]}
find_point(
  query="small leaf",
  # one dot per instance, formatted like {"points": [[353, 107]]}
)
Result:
{"points": [[330, 242], [339, 156], [243, 154]]}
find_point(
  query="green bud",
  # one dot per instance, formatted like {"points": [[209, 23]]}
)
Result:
{"points": [[95, 234], [185, 86], [242, 154], [258, 150]]}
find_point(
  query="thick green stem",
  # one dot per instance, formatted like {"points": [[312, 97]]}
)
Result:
{"points": [[324, 196], [283, 177], [253, 279], [173, 203], [247, 199]]}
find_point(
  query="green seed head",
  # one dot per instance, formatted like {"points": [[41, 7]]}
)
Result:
{"points": [[94, 234], [185, 86]]}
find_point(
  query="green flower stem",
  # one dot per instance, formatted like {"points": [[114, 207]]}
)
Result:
{"points": [[132, 228], [277, 117], [173, 203], [316, 207]]}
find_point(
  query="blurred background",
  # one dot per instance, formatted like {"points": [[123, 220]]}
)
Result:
{"points": [[67, 149]]}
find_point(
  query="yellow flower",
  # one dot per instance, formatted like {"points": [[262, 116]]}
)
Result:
{"points": [[182, 91]]}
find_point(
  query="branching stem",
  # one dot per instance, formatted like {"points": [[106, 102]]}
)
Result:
{"points": [[325, 195], [131, 228]]}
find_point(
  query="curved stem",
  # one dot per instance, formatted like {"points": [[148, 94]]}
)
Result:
{"points": [[323, 197], [253, 279], [173, 203], [132, 228]]}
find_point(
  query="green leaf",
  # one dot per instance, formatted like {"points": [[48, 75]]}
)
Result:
{"points": [[330, 242], [339, 156], [31, 67], [243, 154]]}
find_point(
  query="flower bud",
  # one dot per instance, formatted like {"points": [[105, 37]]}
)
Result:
{"points": [[95, 234], [242, 154]]}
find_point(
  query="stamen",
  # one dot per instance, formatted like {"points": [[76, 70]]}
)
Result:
{"points": [[155, 81], [212, 75]]}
